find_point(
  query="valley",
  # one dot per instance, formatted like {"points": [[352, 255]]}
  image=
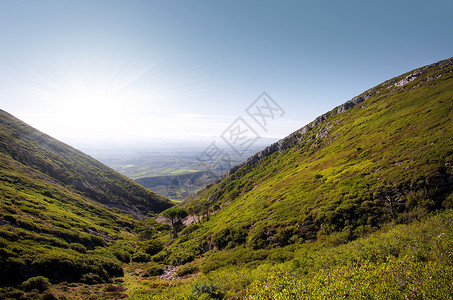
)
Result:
{"points": [[172, 168], [356, 204]]}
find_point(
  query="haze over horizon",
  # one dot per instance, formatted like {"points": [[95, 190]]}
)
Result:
{"points": [[119, 71]]}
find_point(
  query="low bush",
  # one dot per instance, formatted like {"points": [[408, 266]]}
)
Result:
{"points": [[153, 270], [39, 283], [91, 278], [179, 256], [230, 237], [78, 247], [152, 247], [122, 255], [207, 289], [186, 269], [140, 257]]}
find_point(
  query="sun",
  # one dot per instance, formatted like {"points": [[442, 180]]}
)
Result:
{"points": [[89, 100], [111, 99]]}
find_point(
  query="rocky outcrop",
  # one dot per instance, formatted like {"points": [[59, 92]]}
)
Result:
{"points": [[407, 79], [353, 102], [169, 273]]}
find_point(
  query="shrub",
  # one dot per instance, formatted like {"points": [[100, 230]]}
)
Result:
{"points": [[152, 247], [91, 278], [448, 202], [115, 288], [140, 257], [63, 266], [161, 256], [208, 289], [190, 229], [179, 256], [39, 283], [122, 255], [48, 295], [78, 247], [258, 240], [153, 270], [230, 237], [10, 293], [186, 269]]}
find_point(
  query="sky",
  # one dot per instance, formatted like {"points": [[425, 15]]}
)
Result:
{"points": [[142, 70]]}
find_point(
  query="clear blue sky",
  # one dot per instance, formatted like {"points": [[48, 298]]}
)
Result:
{"points": [[126, 69]]}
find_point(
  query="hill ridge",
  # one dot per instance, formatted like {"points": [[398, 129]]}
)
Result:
{"points": [[73, 169], [298, 135]]}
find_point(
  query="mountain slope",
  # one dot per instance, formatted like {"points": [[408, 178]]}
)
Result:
{"points": [[357, 204], [73, 169], [386, 155], [53, 221]]}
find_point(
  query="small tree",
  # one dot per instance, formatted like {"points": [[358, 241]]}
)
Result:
{"points": [[175, 215]]}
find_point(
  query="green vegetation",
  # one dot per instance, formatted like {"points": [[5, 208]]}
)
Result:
{"points": [[357, 204], [386, 159], [40, 283], [397, 261], [47, 229], [348, 176], [63, 215]]}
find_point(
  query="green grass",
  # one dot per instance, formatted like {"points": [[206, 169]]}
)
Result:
{"points": [[406, 260]]}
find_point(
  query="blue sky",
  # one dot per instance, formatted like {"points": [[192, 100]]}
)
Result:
{"points": [[118, 70]]}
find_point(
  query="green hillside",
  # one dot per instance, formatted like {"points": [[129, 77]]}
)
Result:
{"points": [[385, 155], [358, 188], [73, 169], [53, 221]]}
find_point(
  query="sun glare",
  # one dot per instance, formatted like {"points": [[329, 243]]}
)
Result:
{"points": [[89, 101], [97, 99]]}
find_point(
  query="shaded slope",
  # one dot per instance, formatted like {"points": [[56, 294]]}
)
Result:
{"points": [[73, 169], [384, 155], [46, 229]]}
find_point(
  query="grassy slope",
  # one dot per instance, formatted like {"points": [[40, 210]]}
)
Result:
{"points": [[385, 161], [352, 172], [52, 220], [398, 262], [73, 169], [41, 220]]}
